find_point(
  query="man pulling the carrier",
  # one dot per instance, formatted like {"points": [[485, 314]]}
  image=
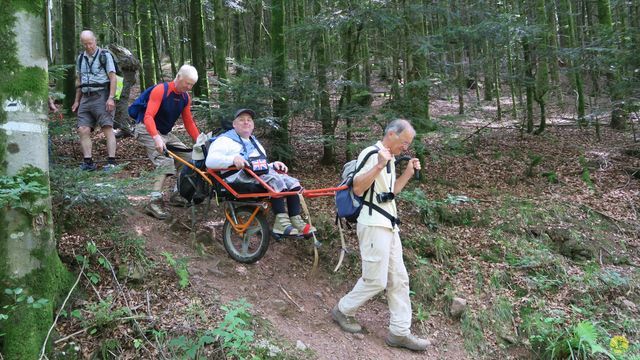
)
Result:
{"points": [[378, 235], [166, 102]]}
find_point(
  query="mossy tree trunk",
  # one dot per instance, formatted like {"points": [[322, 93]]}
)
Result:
{"points": [[146, 42], [86, 10], [28, 255], [201, 88], [219, 58], [324, 103], [282, 150]]}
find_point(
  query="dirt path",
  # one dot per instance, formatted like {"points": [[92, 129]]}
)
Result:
{"points": [[305, 316]]}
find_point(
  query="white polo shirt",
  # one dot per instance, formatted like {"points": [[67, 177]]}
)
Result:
{"points": [[384, 182]]}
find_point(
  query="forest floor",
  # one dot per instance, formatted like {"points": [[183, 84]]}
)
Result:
{"points": [[538, 234]]}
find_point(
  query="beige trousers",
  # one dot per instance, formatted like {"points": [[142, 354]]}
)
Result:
{"points": [[164, 164], [382, 268]]}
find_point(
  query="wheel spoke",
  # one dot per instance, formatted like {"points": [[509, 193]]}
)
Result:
{"points": [[253, 230], [245, 244]]}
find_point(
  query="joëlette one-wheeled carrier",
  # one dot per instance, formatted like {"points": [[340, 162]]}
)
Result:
{"points": [[245, 231]]}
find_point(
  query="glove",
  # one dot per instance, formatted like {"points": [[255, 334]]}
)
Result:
{"points": [[198, 147]]}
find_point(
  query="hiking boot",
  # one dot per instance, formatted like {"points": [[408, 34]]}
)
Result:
{"points": [[347, 323], [410, 342], [283, 226], [154, 208], [178, 201], [88, 166], [302, 227]]}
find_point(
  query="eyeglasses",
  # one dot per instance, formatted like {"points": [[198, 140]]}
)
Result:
{"points": [[404, 143]]}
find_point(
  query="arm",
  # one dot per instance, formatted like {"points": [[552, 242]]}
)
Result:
{"points": [[189, 123], [111, 103], [155, 100], [76, 102], [224, 153], [401, 182], [363, 180]]}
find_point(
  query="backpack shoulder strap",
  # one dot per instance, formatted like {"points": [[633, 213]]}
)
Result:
{"points": [[364, 160], [79, 61]]}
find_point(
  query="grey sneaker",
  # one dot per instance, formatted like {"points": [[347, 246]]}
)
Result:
{"points": [[347, 323], [410, 342], [109, 167], [155, 209]]}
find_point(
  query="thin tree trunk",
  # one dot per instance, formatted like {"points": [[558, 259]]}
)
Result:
{"points": [[146, 43], [278, 78], [86, 15], [324, 113], [165, 38], [70, 55]]}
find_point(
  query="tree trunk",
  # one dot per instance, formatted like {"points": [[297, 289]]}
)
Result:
{"points": [[575, 66], [86, 15], [219, 58], [146, 42], [28, 255], [324, 113], [165, 39], [528, 82], [283, 148], [136, 22], [69, 54], [201, 88]]}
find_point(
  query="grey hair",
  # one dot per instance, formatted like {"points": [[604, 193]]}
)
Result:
{"points": [[86, 33], [398, 126], [187, 71]]}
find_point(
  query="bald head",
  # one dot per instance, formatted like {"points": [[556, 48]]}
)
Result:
{"points": [[88, 40], [87, 34]]}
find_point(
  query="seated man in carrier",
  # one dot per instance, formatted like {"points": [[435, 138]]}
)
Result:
{"points": [[238, 147]]}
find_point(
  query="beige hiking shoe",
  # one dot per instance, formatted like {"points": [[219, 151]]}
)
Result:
{"points": [[282, 226], [302, 227], [178, 201], [410, 342], [347, 323], [154, 208]]}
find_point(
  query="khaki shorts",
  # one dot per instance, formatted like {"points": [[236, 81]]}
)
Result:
{"points": [[92, 110], [163, 163]]}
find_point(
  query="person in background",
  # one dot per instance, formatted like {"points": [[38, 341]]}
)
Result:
{"points": [[94, 102]]}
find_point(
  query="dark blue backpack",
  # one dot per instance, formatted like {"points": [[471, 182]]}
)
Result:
{"points": [[139, 106], [348, 204]]}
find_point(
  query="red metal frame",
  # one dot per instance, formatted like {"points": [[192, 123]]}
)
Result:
{"points": [[271, 193]]}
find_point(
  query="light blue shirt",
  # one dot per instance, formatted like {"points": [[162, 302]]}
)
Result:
{"points": [[91, 72]]}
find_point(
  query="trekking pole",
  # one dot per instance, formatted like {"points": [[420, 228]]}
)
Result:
{"points": [[343, 248], [316, 243]]}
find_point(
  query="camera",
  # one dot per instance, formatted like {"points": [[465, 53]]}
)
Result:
{"points": [[385, 196]]}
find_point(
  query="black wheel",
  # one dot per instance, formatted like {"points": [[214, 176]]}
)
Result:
{"points": [[253, 244]]}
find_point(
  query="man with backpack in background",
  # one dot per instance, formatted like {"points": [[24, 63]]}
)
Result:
{"points": [[378, 234], [156, 112], [95, 91]]}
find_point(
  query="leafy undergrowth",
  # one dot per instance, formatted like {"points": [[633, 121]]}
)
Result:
{"points": [[538, 233]]}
